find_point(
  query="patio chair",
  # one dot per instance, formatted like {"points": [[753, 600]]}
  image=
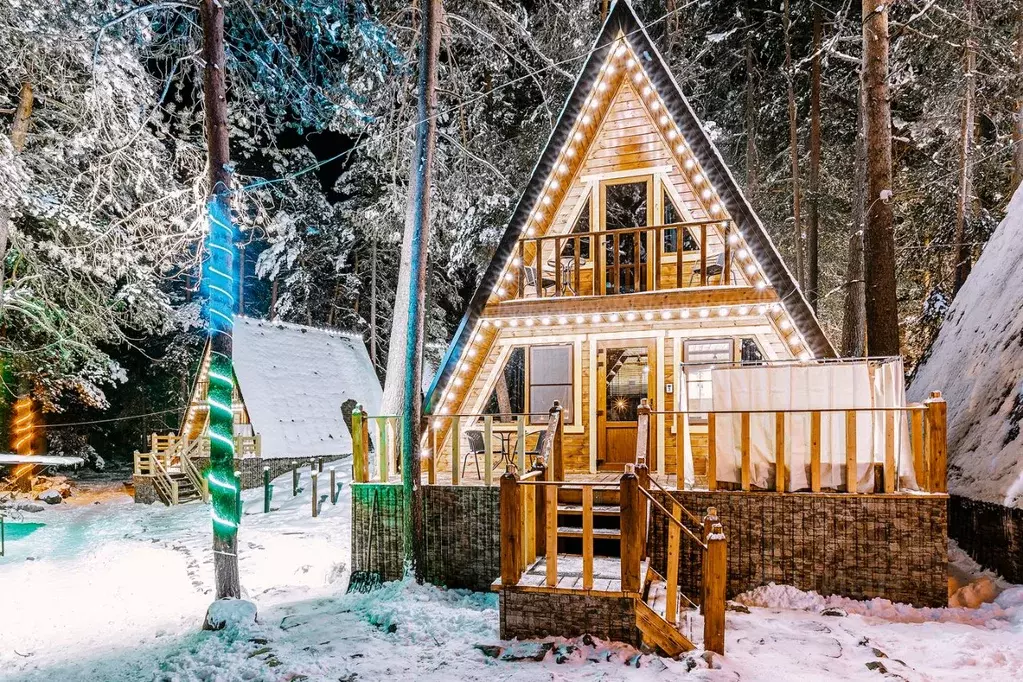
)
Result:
{"points": [[530, 284], [715, 268], [476, 448]]}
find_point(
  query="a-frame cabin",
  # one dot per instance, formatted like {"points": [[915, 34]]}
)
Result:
{"points": [[631, 265], [638, 389]]}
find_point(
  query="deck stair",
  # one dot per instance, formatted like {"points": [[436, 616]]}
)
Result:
{"points": [[652, 621], [607, 521]]}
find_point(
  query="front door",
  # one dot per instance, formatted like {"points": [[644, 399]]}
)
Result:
{"points": [[626, 371]]}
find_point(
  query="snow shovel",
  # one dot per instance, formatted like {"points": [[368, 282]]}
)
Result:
{"points": [[367, 581]]}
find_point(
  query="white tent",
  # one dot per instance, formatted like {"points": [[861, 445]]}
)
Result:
{"points": [[977, 363], [293, 381]]}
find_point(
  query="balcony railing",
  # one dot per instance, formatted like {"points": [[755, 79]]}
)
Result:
{"points": [[626, 260]]}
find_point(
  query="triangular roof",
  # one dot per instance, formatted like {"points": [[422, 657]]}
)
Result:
{"points": [[293, 380], [622, 22], [977, 363]]}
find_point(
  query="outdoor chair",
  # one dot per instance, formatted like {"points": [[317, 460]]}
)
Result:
{"points": [[476, 448], [530, 275], [537, 452], [715, 268]]}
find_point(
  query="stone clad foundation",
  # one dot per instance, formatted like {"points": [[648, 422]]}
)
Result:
{"points": [[860, 546]]}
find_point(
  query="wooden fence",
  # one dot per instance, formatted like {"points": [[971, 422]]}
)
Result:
{"points": [[927, 423], [448, 432]]}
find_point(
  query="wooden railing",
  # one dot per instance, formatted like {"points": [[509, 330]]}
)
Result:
{"points": [[620, 261], [529, 529], [447, 432], [927, 423]]}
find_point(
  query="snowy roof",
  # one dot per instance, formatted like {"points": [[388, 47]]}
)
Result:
{"points": [[977, 364], [294, 379]]}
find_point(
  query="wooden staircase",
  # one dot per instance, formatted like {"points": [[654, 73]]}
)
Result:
{"points": [[590, 540]]}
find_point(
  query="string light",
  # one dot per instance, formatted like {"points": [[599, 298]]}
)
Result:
{"points": [[23, 426], [219, 280]]}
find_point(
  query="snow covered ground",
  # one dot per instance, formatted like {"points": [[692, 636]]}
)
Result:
{"points": [[114, 592]]}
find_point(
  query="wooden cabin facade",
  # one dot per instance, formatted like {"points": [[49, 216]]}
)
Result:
{"points": [[596, 442]]}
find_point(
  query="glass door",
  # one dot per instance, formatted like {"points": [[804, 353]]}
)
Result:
{"points": [[624, 380], [626, 206]]}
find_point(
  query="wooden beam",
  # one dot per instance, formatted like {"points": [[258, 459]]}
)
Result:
{"points": [[891, 473], [815, 452], [779, 452], [587, 537], [551, 517], [712, 454], [916, 418], [850, 452], [709, 296], [746, 474]]}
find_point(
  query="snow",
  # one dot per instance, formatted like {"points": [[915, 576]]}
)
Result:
{"points": [[108, 590], [294, 380], [977, 363]]}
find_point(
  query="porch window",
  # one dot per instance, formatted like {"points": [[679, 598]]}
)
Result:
{"points": [[550, 379], [699, 358], [509, 395], [671, 216]]}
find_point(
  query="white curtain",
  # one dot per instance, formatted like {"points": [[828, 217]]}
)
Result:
{"points": [[890, 391], [682, 431], [794, 387]]}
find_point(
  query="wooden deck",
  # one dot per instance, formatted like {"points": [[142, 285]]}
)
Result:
{"points": [[611, 478]]}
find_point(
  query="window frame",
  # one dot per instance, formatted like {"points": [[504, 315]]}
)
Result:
{"points": [[701, 417], [534, 419]]}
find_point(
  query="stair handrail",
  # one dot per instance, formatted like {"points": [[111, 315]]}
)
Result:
{"points": [[190, 470], [163, 482], [692, 517], [672, 519]]}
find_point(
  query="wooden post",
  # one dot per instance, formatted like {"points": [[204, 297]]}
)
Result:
{"points": [[511, 529], [680, 453], [384, 465], [815, 452], [315, 476], [712, 455], [937, 442], [540, 511], [174, 491], [715, 579], [850, 452], [632, 528], [294, 479], [551, 531], [488, 450], [456, 446], [746, 475], [703, 255], [916, 419], [358, 446], [333, 486], [558, 452], [780, 473], [520, 442], [726, 270], [674, 549], [431, 461], [642, 431], [708, 525], [891, 472], [587, 537], [643, 475]]}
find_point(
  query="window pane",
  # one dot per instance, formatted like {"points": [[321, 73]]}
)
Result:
{"points": [[541, 398], [625, 205], [700, 357], [550, 365], [509, 394]]}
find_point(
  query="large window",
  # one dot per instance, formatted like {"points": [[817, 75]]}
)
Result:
{"points": [[509, 395], [550, 378], [699, 358], [671, 216]]}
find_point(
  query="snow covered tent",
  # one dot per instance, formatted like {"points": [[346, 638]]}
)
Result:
{"points": [[294, 387], [977, 362]]}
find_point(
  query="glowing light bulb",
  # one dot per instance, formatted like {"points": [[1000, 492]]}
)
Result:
{"points": [[563, 168], [646, 90], [761, 285], [666, 315], [570, 152], [733, 239], [513, 323], [631, 317], [804, 356], [689, 164], [697, 178], [793, 340], [704, 312], [595, 319], [663, 120], [631, 63], [562, 320], [603, 86], [723, 312], [529, 321], [648, 316], [587, 119], [761, 309], [638, 78], [743, 254], [501, 291], [545, 320], [705, 194], [684, 314], [751, 269], [578, 136], [785, 325], [655, 105], [620, 50], [613, 317], [546, 200], [716, 208], [498, 323], [579, 319], [672, 134], [510, 277], [458, 381]]}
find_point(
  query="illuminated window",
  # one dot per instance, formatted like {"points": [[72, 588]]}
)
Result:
{"points": [[699, 359]]}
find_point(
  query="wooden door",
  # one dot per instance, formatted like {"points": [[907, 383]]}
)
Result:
{"points": [[626, 373]]}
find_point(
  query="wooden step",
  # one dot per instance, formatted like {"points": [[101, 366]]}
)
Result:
{"points": [[598, 509], [598, 533], [660, 633]]}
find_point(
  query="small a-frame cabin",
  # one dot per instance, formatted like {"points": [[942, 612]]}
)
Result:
{"points": [[637, 327], [295, 389]]}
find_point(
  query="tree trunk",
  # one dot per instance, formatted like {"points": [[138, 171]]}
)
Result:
{"points": [[752, 160], [241, 279], [813, 219], [503, 398], [19, 135], [220, 257], [273, 299], [964, 201], [1017, 129], [402, 391], [373, 302], [882, 312], [854, 331], [797, 228]]}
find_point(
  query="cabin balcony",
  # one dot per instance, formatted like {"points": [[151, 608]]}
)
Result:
{"points": [[627, 261]]}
